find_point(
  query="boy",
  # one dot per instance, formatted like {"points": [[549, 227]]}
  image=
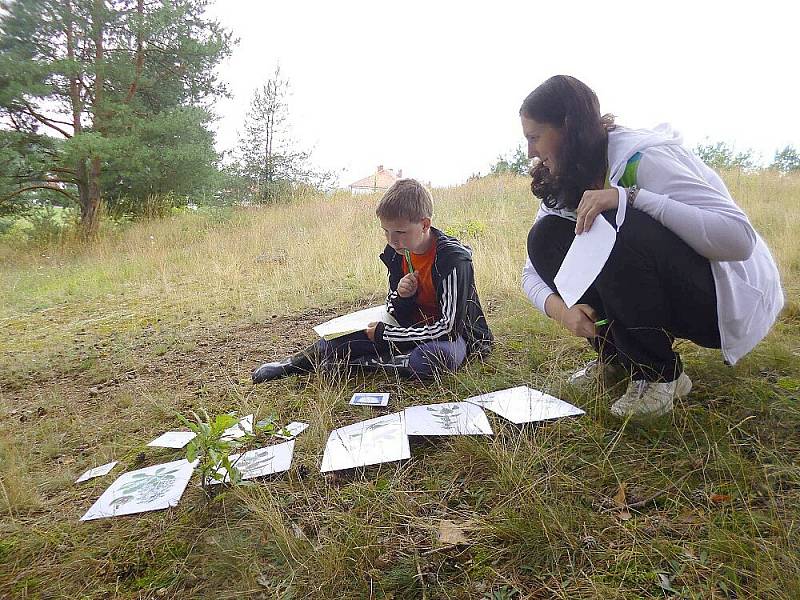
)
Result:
{"points": [[435, 302]]}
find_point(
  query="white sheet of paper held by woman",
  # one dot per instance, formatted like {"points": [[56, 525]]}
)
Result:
{"points": [[369, 442], [449, 418], [525, 405], [585, 258], [350, 323], [152, 488]]}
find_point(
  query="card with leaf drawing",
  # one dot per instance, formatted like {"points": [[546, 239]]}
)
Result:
{"points": [[369, 442], [525, 405], [152, 488], [259, 462], [449, 418]]}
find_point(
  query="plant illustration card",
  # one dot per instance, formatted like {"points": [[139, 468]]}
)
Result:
{"points": [[241, 429], [97, 472], [449, 418], [370, 399], [369, 442], [152, 488], [525, 405], [293, 429], [357, 321], [173, 439], [260, 462]]}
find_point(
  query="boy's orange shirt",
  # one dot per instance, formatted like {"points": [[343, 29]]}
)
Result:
{"points": [[427, 303]]}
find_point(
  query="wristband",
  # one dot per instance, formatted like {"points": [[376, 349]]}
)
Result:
{"points": [[631, 194]]}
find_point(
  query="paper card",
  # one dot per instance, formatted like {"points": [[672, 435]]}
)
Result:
{"points": [[294, 429], [97, 472], [449, 418], [242, 428], [370, 399], [152, 488], [525, 405], [357, 321], [368, 442], [173, 439], [584, 260], [260, 462]]}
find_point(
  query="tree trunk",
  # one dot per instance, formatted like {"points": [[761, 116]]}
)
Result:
{"points": [[90, 212]]}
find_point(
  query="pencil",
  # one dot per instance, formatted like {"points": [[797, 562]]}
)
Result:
{"points": [[601, 322], [408, 260]]}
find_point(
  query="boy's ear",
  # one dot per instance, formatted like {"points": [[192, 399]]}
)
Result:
{"points": [[426, 224]]}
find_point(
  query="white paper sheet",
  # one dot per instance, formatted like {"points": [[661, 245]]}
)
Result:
{"points": [[449, 418], [294, 429], [173, 439], [525, 405], [368, 442], [152, 488], [369, 399], [353, 322], [97, 472], [584, 260], [242, 428], [260, 462]]}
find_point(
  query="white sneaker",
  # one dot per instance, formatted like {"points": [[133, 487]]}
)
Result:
{"points": [[648, 399], [597, 372]]}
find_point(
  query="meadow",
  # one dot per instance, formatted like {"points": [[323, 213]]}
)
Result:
{"points": [[103, 344]]}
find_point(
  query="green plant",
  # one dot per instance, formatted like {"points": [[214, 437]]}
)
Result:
{"points": [[212, 448]]}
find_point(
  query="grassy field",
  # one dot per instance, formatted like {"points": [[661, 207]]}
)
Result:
{"points": [[103, 345]]}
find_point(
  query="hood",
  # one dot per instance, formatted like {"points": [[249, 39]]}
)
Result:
{"points": [[624, 143]]}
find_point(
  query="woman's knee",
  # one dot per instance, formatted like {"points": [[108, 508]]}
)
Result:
{"points": [[548, 242]]}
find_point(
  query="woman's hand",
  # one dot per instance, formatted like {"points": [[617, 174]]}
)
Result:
{"points": [[579, 319], [592, 204]]}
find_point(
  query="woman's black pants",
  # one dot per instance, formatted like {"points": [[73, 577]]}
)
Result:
{"points": [[653, 288]]}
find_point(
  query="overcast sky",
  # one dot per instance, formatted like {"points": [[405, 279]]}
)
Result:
{"points": [[434, 87]]}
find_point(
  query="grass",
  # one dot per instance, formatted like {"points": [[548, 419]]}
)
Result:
{"points": [[104, 344]]}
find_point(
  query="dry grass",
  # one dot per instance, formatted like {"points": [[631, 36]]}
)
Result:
{"points": [[104, 344]]}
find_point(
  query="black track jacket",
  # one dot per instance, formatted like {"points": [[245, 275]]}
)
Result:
{"points": [[454, 281]]}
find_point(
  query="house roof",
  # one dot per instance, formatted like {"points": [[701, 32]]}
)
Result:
{"points": [[381, 179]]}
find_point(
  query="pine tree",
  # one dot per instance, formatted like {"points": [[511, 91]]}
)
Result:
{"points": [[83, 78]]}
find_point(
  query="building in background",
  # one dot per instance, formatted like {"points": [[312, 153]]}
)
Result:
{"points": [[380, 181]]}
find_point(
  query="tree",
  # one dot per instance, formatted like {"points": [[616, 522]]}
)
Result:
{"points": [[266, 156], [91, 76], [786, 160], [722, 156], [516, 163]]}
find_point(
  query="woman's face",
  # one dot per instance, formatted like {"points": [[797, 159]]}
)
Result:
{"points": [[544, 142]]}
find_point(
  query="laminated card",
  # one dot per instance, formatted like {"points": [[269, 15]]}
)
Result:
{"points": [[97, 472], [449, 418], [260, 462], [357, 321], [153, 488], [293, 429], [525, 405], [585, 259], [173, 439], [368, 442], [242, 428]]}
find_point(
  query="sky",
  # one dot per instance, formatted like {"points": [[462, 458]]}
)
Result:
{"points": [[434, 87]]}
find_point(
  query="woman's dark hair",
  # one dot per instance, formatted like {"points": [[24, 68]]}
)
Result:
{"points": [[567, 103]]}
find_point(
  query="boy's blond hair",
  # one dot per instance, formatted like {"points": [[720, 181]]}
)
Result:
{"points": [[406, 199]]}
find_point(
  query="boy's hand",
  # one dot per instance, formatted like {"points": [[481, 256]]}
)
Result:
{"points": [[370, 331], [407, 286]]}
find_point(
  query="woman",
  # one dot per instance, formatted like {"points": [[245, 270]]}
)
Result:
{"points": [[686, 262]]}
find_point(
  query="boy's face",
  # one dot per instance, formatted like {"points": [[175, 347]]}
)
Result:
{"points": [[403, 234]]}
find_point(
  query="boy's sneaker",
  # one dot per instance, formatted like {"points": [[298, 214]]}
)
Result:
{"points": [[273, 370], [649, 399], [595, 372]]}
